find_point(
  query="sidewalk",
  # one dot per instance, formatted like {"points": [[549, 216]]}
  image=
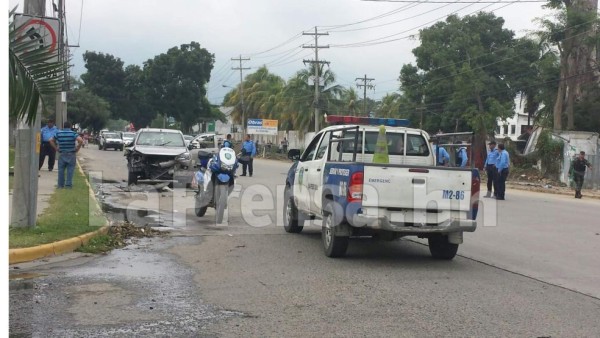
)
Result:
{"points": [[46, 187], [47, 182]]}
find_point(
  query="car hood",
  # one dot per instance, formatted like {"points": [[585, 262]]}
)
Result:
{"points": [[166, 151], [113, 140]]}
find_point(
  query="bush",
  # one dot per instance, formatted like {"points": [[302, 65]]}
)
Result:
{"points": [[550, 152]]}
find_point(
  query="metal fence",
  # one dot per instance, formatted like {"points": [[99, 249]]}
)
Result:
{"points": [[592, 177]]}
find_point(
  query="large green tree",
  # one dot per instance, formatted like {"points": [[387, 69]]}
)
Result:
{"points": [[89, 110], [468, 73], [105, 77], [136, 105], [176, 82], [574, 33]]}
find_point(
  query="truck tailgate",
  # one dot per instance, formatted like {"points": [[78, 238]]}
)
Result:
{"points": [[424, 188]]}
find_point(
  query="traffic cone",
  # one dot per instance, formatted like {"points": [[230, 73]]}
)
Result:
{"points": [[381, 149]]}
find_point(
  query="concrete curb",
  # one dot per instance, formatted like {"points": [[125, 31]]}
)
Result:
{"points": [[20, 255]]}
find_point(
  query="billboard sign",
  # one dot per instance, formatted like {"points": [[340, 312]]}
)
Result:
{"points": [[262, 127]]}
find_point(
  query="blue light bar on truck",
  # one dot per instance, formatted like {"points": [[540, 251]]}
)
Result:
{"points": [[369, 121]]}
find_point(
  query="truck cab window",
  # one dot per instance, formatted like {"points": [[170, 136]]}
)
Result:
{"points": [[309, 153], [323, 146]]}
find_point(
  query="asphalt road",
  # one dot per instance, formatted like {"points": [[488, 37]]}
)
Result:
{"points": [[533, 270]]}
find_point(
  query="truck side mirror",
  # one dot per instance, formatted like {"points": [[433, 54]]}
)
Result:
{"points": [[294, 154]]}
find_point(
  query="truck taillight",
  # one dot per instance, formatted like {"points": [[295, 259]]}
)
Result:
{"points": [[355, 189], [475, 183]]}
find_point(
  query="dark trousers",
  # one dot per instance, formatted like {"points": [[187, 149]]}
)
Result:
{"points": [[578, 184], [501, 185], [47, 150], [491, 174], [247, 166]]}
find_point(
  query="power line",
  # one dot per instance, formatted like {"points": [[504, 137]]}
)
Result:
{"points": [[378, 40], [383, 15], [392, 22], [449, 2]]}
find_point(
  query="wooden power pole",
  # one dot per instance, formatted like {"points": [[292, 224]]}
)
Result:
{"points": [[317, 64]]}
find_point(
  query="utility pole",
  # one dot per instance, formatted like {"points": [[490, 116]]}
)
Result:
{"points": [[27, 149], [61, 97], [241, 69], [317, 65], [366, 84]]}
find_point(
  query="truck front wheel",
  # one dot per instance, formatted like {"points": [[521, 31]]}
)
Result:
{"points": [[335, 246], [293, 221], [440, 248]]}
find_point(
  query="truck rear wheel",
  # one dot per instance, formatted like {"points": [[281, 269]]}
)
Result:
{"points": [[293, 221], [335, 246], [440, 248]]}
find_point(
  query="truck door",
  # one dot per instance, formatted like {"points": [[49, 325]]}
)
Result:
{"points": [[315, 174], [302, 193]]}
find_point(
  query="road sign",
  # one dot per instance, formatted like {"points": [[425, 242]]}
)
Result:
{"points": [[43, 29], [262, 127]]}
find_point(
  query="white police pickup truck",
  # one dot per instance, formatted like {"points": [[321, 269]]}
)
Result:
{"points": [[336, 179]]}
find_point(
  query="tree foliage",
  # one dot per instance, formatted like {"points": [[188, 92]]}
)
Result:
{"points": [[105, 77], [176, 82], [574, 33], [89, 110]]}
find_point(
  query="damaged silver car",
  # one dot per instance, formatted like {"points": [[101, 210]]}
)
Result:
{"points": [[158, 156]]}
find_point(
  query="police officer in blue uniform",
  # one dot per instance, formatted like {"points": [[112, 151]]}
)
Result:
{"points": [[490, 168], [47, 133], [502, 165]]}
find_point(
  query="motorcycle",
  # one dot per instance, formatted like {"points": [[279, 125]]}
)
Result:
{"points": [[215, 181]]}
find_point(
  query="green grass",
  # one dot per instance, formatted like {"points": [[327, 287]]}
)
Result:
{"points": [[68, 215]]}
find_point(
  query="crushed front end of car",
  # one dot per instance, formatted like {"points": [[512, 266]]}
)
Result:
{"points": [[156, 167]]}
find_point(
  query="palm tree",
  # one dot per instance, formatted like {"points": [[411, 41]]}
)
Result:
{"points": [[33, 75]]}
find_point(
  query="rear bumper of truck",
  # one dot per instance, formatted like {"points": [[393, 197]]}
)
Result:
{"points": [[451, 225]]}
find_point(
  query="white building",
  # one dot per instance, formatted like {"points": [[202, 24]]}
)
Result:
{"points": [[514, 126]]}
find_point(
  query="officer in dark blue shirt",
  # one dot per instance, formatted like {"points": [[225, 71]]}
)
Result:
{"points": [[490, 168], [47, 133]]}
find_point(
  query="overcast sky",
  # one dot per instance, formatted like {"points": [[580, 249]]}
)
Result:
{"points": [[136, 30]]}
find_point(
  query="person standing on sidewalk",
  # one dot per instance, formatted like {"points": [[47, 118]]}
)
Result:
{"points": [[490, 168], [47, 133], [250, 150], [502, 166], [580, 164], [67, 143]]}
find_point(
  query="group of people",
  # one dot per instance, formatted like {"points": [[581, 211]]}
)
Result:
{"points": [[67, 143], [497, 164], [443, 158]]}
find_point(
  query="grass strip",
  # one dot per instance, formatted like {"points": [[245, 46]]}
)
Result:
{"points": [[68, 215]]}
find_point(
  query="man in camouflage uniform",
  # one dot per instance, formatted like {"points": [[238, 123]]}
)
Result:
{"points": [[578, 169]]}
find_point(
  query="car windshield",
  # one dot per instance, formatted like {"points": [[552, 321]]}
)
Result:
{"points": [[129, 135], [188, 137], [157, 138], [111, 135]]}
